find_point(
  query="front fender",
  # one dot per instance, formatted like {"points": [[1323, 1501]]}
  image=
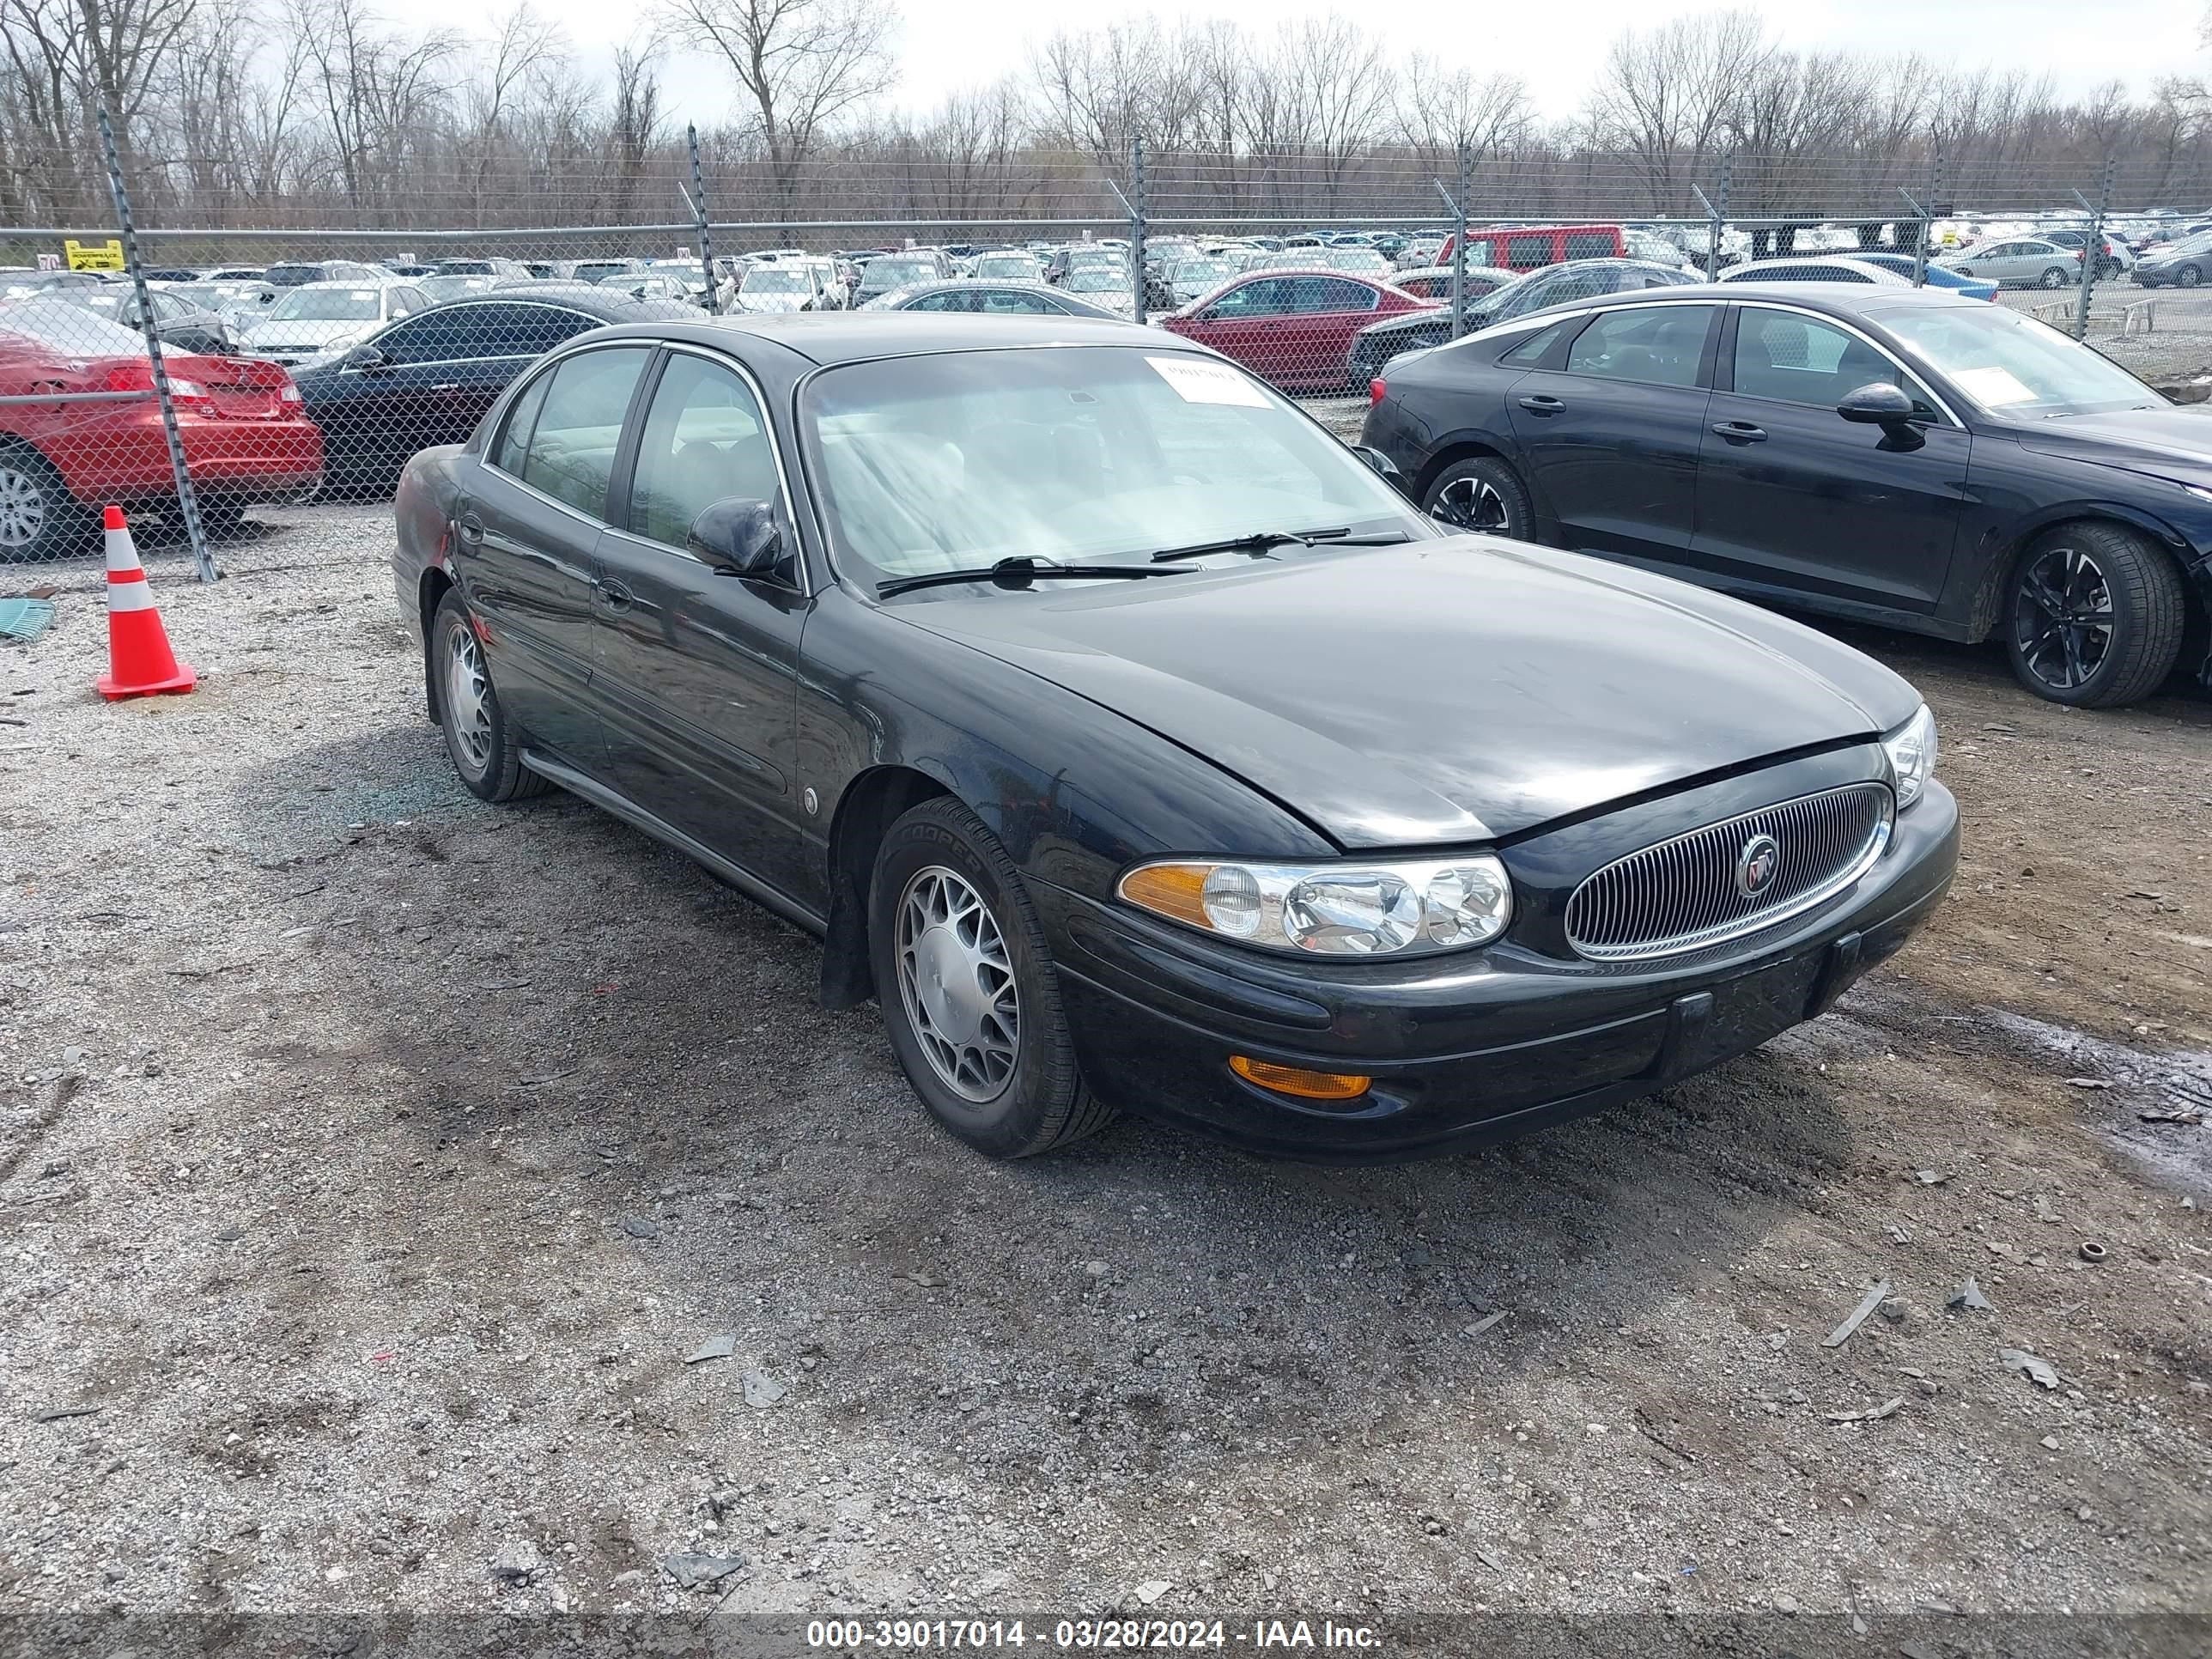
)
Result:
{"points": [[2000, 546]]}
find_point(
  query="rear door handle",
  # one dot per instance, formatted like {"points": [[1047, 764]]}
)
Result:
{"points": [[469, 529], [446, 385], [1741, 432], [1540, 404], [617, 596]]}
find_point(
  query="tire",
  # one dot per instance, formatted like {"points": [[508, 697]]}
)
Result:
{"points": [[40, 519], [1482, 493], [221, 517], [481, 743], [995, 1066], [2054, 277], [2069, 577], [2188, 277]]}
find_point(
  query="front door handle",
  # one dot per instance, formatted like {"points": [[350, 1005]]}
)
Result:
{"points": [[617, 596], [1741, 432], [469, 529], [1540, 404], [446, 385]]}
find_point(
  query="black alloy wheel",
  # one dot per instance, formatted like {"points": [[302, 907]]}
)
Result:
{"points": [[1483, 495], [2097, 615]]}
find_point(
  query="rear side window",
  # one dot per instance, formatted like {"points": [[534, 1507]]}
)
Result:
{"points": [[1527, 252], [1590, 245], [521, 416], [1538, 346], [571, 452], [1650, 345]]}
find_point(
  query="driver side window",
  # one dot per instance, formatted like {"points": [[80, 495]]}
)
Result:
{"points": [[705, 441]]}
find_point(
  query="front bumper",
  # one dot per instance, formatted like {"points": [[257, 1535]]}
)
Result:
{"points": [[1463, 1052]]}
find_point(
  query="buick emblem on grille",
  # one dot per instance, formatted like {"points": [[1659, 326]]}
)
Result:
{"points": [[1756, 864]]}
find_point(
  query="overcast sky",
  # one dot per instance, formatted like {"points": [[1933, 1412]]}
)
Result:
{"points": [[947, 45]]}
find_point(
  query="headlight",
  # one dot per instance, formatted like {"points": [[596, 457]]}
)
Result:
{"points": [[1913, 756], [1347, 908]]}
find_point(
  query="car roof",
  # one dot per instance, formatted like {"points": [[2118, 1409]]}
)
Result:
{"points": [[609, 304], [840, 336], [1842, 299]]}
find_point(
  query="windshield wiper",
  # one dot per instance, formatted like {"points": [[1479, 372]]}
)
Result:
{"points": [[1019, 572], [1260, 540]]}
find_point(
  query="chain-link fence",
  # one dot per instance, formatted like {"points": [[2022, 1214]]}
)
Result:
{"points": [[193, 369]]}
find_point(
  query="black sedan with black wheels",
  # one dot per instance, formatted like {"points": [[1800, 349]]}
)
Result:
{"points": [[1135, 745], [1910, 457], [428, 378]]}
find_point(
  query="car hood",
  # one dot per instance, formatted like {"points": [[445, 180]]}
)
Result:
{"points": [[763, 304], [1452, 691], [2165, 442]]}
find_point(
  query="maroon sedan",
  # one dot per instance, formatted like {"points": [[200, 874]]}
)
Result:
{"points": [[1293, 328]]}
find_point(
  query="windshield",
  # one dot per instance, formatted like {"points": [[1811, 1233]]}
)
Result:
{"points": [[768, 279], [1073, 453], [1196, 274], [895, 273], [2013, 366], [63, 327], [1098, 280], [1362, 259], [326, 305], [598, 270], [1017, 267]]}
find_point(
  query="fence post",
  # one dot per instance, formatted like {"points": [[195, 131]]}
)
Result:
{"points": [[699, 219], [2092, 248], [1136, 205], [187, 503], [1458, 240], [1716, 214]]}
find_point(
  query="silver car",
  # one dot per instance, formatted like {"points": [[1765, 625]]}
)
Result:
{"points": [[2019, 262]]}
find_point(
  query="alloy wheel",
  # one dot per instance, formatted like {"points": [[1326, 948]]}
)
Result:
{"points": [[1472, 504], [468, 697], [956, 984], [22, 508], [2063, 618], [2188, 277]]}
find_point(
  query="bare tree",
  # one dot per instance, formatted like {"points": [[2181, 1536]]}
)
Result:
{"points": [[804, 62]]}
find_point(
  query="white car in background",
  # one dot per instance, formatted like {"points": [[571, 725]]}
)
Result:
{"points": [[799, 284], [317, 319], [1813, 268]]}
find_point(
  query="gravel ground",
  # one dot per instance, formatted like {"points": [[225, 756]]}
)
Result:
{"points": [[372, 1160], [2176, 350]]}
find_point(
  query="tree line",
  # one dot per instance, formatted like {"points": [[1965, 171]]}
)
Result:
{"points": [[321, 113]]}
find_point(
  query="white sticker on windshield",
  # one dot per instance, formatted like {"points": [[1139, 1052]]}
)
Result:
{"points": [[1196, 380], [361, 293], [1993, 387]]}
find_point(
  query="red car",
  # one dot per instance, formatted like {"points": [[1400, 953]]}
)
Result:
{"points": [[246, 433], [1293, 328]]}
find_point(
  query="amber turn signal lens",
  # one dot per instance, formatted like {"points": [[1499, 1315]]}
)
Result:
{"points": [[1172, 889], [1297, 1080]]}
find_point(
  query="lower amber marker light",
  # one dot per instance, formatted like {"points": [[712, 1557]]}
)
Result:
{"points": [[1297, 1080]]}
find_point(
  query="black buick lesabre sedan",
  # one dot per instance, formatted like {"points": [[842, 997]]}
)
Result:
{"points": [[1916, 459], [1134, 744]]}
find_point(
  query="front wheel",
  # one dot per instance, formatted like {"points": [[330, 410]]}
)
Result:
{"points": [[2054, 277], [970, 1000], [485, 748], [2096, 617], [2188, 277], [1485, 494]]}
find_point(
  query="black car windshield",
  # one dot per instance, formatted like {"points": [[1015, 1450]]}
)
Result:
{"points": [[1069, 453], [2012, 366], [895, 273]]}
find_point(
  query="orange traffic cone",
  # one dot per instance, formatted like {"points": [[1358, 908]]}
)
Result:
{"points": [[139, 660]]}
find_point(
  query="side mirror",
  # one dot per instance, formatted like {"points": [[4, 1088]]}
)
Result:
{"points": [[1383, 466], [1885, 406], [1210, 314], [737, 536], [364, 356]]}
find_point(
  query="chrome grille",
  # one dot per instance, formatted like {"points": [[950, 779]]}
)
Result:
{"points": [[1682, 895]]}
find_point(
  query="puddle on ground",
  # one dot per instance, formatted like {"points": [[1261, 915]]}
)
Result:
{"points": [[2177, 1155]]}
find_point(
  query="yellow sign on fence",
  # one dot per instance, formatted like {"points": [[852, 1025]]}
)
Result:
{"points": [[93, 256]]}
